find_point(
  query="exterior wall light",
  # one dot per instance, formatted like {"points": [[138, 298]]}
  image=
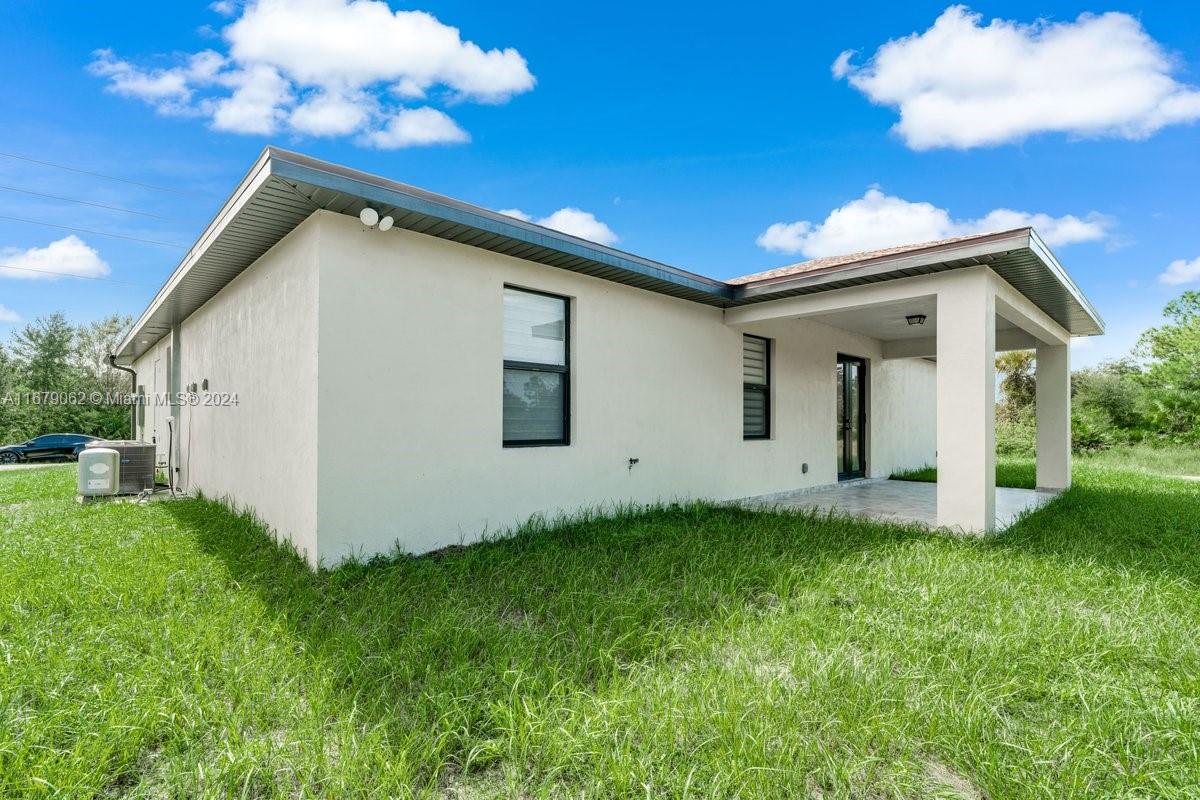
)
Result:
{"points": [[915, 319]]}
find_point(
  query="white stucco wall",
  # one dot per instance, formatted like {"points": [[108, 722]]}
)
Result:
{"points": [[905, 415], [258, 338], [409, 398], [153, 372], [399, 440]]}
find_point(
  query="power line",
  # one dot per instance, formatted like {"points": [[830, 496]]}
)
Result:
{"points": [[95, 233], [70, 275], [101, 175], [87, 203]]}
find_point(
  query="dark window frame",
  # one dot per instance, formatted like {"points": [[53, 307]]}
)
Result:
{"points": [[564, 370], [764, 388], [864, 415]]}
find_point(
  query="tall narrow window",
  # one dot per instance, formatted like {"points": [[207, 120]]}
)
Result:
{"points": [[537, 377], [756, 387]]}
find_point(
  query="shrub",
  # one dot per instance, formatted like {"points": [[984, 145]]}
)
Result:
{"points": [[1172, 380], [1089, 434], [1016, 435], [1112, 391]]}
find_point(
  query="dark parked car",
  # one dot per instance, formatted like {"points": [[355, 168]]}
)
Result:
{"points": [[51, 447]]}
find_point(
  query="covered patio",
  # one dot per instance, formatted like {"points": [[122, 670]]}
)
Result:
{"points": [[956, 303]]}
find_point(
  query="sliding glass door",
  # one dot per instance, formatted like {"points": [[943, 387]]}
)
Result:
{"points": [[851, 417]]}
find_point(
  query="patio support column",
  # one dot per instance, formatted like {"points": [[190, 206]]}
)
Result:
{"points": [[1053, 416], [966, 403]]}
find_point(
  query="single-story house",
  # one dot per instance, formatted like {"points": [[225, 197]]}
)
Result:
{"points": [[450, 371]]}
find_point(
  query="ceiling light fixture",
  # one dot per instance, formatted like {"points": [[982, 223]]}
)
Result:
{"points": [[915, 319]]}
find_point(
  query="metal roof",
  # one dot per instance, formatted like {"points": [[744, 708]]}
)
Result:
{"points": [[283, 188]]}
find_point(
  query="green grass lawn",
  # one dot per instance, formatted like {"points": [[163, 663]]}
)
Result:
{"points": [[172, 650], [1014, 473], [1021, 473], [1150, 460]]}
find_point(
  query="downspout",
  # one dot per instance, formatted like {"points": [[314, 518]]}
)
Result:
{"points": [[112, 362]]}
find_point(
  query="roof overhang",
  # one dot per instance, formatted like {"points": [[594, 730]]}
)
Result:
{"points": [[283, 189], [1018, 256]]}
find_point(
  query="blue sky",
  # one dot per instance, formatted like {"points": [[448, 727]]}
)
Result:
{"points": [[687, 132]]}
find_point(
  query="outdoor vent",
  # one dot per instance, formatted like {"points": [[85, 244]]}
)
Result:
{"points": [[137, 464]]}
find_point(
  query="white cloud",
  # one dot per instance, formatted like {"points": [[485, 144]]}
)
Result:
{"points": [[572, 221], [256, 105], [362, 42], [580, 223], [417, 126], [409, 89], [8, 315], [331, 113], [170, 91], [327, 68], [1055, 231], [841, 66], [878, 220], [1179, 272], [963, 84], [63, 258]]}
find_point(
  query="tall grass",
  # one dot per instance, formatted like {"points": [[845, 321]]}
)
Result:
{"points": [[1016, 473], [1149, 459], [173, 650], [1021, 473]]}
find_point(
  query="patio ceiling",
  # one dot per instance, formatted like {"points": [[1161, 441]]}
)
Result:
{"points": [[888, 322]]}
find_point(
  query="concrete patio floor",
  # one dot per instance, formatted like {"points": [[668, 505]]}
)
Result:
{"points": [[896, 501]]}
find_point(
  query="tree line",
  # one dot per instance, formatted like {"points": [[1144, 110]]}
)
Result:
{"points": [[1151, 395], [49, 370]]}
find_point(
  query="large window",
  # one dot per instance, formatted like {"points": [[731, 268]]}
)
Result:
{"points": [[756, 387], [537, 378]]}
